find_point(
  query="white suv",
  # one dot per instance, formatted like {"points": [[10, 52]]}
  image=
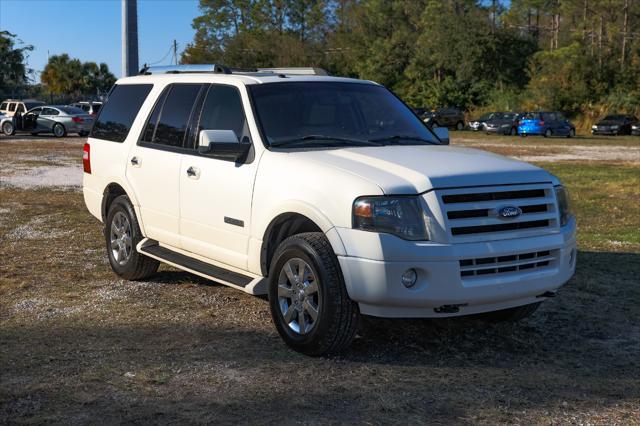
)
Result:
{"points": [[327, 194]]}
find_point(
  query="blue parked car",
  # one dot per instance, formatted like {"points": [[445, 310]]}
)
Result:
{"points": [[546, 124]]}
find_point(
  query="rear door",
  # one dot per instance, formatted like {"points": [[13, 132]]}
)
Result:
{"points": [[562, 125], [154, 162], [215, 194], [47, 119]]}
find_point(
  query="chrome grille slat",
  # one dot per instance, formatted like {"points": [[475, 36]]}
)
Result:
{"points": [[472, 214], [479, 267]]}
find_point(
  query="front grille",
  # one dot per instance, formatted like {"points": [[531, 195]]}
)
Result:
{"points": [[474, 213], [507, 264]]}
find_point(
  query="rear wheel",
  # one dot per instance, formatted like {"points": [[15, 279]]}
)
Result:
{"points": [[572, 133], [307, 296], [122, 234], [548, 133], [511, 314], [59, 131], [8, 128], [513, 131], [460, 126], [434, 125]]}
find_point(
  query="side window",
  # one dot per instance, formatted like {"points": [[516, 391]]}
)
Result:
{"points": [[36, 111], [560, 116], [152, 122], [174, 115], [50, 111], [120, 111], [12, 107], [222, 110], [3, 107], [20, 108]]}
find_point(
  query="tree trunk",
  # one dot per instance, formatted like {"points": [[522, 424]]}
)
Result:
{"points": [[625, 28]]}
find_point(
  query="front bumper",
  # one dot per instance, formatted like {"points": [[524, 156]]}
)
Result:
{"points": [[375, 262]]}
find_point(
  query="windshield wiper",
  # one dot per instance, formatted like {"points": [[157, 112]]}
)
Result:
{"points": [[301, 140], [396, 138]]}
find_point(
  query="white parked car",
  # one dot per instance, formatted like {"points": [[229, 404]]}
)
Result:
{"points": [[328, 194]]}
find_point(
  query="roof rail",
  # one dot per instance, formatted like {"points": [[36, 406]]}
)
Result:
{"points": [[221, 69], [191, 68], [295, 71]]}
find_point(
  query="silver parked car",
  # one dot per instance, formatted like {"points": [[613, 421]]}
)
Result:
{"points": [[57, 119]]}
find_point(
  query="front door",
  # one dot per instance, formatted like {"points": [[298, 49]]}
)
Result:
{"points": [[215, 195], [154, 162]]}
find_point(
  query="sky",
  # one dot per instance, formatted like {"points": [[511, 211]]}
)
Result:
{"points": [[90, 30]]}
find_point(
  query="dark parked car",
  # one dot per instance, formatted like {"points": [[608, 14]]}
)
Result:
{"points": [[616, 124], [504, 123], [479, 123], [547, 124], [445, 117]]}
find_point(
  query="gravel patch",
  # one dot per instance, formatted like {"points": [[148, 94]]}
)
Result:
{"points": [[45, 177]]}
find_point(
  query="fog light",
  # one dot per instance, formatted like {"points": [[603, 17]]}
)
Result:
{"points": [[409, 278]]}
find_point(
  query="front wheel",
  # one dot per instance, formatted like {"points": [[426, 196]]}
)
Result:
{"points": [[572, 133], [307, 296], [8, 128], [59, 131], [513, 131], [122, 234], [434, 125], [460, 126], [548, 133]]}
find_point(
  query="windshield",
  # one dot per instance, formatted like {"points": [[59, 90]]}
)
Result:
{"points": [[614, 117], [487, 116], [329, 114], [31, 105]]}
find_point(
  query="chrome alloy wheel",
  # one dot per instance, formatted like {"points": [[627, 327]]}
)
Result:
{"points": [[298, 295], [120, 237]]}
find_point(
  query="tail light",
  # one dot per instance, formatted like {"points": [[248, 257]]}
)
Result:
{"points": [[540, 123], [86, 158], [77, 119]]}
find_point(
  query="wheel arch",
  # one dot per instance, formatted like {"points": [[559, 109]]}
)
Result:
{"points": [[291, 222], [113, 190]]}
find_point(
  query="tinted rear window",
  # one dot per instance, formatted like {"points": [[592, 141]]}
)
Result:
{"points": [[72, 110], [118, 114]]}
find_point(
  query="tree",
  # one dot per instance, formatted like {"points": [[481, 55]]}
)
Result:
{"points": [[66, 76], [13, 71]]}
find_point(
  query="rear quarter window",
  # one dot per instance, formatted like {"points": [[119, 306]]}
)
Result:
{"points": [[118, 114]]}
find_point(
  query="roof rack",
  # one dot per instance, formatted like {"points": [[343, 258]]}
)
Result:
{"points": [[221, 69]]}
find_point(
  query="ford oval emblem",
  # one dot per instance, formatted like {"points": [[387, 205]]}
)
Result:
{"points": [[509, 212]]}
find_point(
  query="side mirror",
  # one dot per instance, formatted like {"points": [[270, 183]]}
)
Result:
{"points": [[222, 144], [443, 134]]}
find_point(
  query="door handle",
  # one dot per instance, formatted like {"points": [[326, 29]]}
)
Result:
{"points": [[135, 162], [193, 172]]}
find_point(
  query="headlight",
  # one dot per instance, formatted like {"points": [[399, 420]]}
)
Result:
{"points": [[403, 217], [594, 127], [564, 206]]}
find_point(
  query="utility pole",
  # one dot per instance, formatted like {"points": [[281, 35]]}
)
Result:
{"points": [[175, 51], [129, 37]]}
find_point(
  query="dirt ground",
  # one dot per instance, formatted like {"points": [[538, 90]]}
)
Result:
{"points": [[78, 345]]}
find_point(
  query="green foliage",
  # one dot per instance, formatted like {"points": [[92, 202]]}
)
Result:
{"points": [[552, 54], [66, 76], [13, 71]]}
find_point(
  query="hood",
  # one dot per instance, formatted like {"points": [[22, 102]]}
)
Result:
{"points": [[416, 169]]}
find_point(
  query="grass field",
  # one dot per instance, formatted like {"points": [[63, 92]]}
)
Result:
{"points": [[78, 345]]}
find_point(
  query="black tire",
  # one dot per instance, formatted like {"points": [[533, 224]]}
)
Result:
{"points": [[34, 133], [572, 133], [59, 131], [338, 316], [8, 128], [513, 131], [511, 314], [459, 126], [523, 135], [434, 125], [137, 266], [83, 134], [548, 133]]}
